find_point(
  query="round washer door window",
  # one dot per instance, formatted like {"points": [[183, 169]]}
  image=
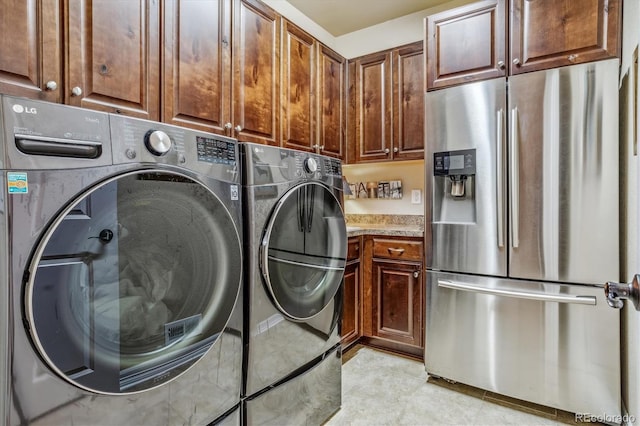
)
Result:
{"points": [[133, 282], [303, 252]]}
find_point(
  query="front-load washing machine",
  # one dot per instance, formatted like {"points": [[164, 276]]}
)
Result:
{"points": [[120, 264], [295, 235]]}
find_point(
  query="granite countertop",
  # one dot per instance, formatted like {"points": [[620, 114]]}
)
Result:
{"points": [[391, 225]]}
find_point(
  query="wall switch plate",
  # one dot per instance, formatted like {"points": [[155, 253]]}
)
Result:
{"points": [[416, 196]]}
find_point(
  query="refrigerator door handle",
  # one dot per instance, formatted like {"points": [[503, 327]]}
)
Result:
{"points": [[499, 176], [560, 298], [515, 179]]}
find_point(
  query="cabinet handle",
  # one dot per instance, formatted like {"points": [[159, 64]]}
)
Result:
{"points": [[386, 151], [516, 62], [76, 91], [395, 250], [238, 128], [416, 274], [501, 65], [51, 85]]}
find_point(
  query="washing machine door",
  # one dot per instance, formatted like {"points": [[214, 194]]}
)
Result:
{"points": [[303, 251], [133, 282]]}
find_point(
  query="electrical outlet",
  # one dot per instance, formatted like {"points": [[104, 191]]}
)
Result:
{"points": [[416, 196]]}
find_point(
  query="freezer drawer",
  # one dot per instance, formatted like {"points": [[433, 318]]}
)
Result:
{"points": [[551, 344]]}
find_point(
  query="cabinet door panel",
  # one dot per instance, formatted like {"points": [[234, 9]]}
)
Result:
{"points": [[554, 33], [197, 61], [331, 92], [298, 88], [351, 307], [408, 94], [30, 48], [397, 301], [465, 44], [113, 56], [256, 58], [374, 108]]}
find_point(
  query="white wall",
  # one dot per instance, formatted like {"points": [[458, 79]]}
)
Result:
{"points": [[411, 173]]}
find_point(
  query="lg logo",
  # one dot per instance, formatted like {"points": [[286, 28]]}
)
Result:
{"points": [[20, 109]]}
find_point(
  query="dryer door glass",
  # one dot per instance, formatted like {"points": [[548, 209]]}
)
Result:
{"points": [[303, 253], [133, 282]]}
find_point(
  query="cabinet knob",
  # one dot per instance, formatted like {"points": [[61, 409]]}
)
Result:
{"points": [[76, 91], [51, 85], [395, 149], [516, 61], [321, 147], [228, 126], [416, 274], [238, 128], [501, 65], [386, 150], [314, 146]]}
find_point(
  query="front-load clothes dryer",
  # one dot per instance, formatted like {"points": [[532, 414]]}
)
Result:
{"points": [[295, 242], [121, 265]]}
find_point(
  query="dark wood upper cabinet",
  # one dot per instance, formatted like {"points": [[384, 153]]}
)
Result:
{"points": [[465, 44], [373, 107], [113, 56], [31, 49], [331, 103], [468, 43], [553, 33], [256, 73], [408, 95], [197, 65], [298, 88], [386, 104]]}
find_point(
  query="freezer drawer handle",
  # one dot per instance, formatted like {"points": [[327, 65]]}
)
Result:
{"points": [[581, 300]]}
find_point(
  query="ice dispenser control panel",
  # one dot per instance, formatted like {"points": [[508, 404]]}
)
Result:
{"points": [[455, 163]]}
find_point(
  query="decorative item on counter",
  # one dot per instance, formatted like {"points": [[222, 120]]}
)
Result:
{"points": [[372, 189], [353, 193], [390, 189], [361, 190]]}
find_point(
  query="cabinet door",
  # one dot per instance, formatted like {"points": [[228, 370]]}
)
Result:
{"points": [[197, 64], [466, 44], [554, 33], [351, 306], [373, 107], [256, 88], [113, 56], [408, 95], [30, 49], [332, 97], [397, 301], [352, 110], [298, 88]]}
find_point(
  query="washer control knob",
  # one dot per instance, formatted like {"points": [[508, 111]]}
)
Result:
{"points": [[310, 165], [157, 142]]}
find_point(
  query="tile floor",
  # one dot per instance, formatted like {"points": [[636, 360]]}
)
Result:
{"points": [[379, 388]]}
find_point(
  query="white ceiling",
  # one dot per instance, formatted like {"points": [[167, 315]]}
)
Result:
{"points": [[340, 17]]}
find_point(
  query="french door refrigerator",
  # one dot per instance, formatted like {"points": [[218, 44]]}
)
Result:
{"points": [[524, 232]]}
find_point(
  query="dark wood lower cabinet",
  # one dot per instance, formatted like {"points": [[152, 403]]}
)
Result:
{"points": [[393, 294], [350, 310], [397, 303]]}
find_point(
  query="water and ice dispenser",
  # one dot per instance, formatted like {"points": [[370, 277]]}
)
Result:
{"points": [[454, 186]]}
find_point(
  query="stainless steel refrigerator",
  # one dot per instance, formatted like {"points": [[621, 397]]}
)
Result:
{"points": [[523, 174]]}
